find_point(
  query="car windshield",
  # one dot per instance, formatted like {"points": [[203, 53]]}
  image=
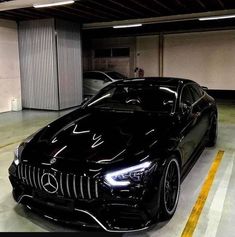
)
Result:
{"points": [[136, 97], [116, 75]]}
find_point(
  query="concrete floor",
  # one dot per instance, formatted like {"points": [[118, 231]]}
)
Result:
{"points": [[217, 217]]}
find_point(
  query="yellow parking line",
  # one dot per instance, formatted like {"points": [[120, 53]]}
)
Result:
{"points": [[197, 209], [10, 144]]}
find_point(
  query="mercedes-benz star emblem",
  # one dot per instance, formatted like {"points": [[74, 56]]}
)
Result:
{"points": [[49, 183]]}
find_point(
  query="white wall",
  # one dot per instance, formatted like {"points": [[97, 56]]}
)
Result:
{"points": [[147, 55], [124, 65], [206, 57], [9, 65], [144, 53]]}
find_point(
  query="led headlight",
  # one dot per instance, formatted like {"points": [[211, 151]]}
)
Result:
{"points": [[125, 176]]}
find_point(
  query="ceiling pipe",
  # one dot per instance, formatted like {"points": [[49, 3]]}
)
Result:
{"points": [[154, 20]]}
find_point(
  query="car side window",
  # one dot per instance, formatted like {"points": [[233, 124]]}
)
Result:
{"points": [[186, 96], [89, 75], [95, 75], [101, 77], [195, 92]]}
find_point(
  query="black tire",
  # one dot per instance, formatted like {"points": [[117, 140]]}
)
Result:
{"points": [[170, 188], [212, 136]]}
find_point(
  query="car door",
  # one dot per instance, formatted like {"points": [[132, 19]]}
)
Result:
{"points": [[190, 122], [201, 108]]}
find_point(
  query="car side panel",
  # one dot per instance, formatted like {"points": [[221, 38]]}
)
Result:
{"points": [[187, 133]]}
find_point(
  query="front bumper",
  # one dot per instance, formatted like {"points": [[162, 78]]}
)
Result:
{"points": [[112, 215]]}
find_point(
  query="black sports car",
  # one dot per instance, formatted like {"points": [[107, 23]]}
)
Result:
{"points": [[118, 160]]}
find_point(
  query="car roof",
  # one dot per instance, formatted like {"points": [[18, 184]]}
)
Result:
{"points": [[171, 81], [99, 71], [111, 71], [94, 71]]}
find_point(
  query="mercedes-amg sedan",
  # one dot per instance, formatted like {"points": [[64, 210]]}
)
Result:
{"points": [[118, 160]]}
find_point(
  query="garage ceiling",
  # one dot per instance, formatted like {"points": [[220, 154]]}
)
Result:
{"points": [[87, 11], [98, 16]]}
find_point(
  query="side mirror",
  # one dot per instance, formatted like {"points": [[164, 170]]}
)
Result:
{"points": [[106, 80], [85, 100], [204, 88]]}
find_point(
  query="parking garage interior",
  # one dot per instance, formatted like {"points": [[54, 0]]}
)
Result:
{"points": [[44, 52]]}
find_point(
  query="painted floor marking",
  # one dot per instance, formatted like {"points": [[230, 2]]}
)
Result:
{"points": [[197, 209], [216, 208], [3, 146]]}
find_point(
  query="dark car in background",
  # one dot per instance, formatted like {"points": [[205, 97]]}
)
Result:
{"points": [[117, 162], [94, 81]]}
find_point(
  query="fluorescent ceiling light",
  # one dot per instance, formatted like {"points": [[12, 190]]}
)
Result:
{"points": [[53, 4], [127, 26], [216, 17]]}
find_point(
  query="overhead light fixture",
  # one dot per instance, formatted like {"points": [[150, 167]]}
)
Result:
{"points": [[127, 26], [53, 4], [216, 17]]}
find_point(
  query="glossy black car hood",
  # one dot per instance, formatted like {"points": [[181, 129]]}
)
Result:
{"points": [[100, 137]]}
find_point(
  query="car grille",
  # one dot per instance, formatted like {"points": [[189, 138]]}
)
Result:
{"points": [[69, 185]]}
